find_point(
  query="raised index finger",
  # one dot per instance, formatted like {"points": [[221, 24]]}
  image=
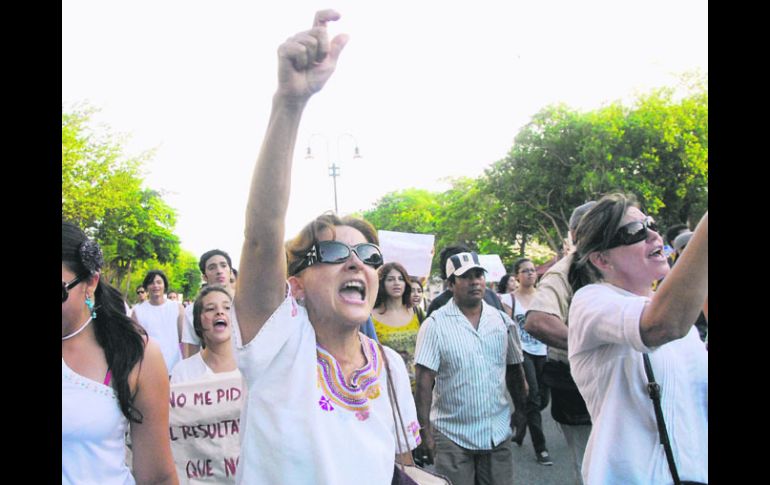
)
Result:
{"points": [[323, 16]]}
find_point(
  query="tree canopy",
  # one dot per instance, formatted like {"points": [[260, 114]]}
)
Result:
{"points": [[102, 192], [655, 149]]}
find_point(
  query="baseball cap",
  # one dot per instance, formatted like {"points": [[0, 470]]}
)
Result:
{"points": [[681, 240], [459, 263]]}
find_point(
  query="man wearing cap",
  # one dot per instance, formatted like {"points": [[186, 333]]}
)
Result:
{"points": [[471, 352], [489, 296], [546, 320]]}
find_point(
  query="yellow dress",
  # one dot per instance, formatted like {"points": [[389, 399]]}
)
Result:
{"points": [[402, 339]]}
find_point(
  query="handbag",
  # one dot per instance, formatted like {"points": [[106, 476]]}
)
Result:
{"points": [[406, 474], [654, 390]]}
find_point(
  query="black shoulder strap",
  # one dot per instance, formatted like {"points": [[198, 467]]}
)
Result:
{"points": [[654, 390]]}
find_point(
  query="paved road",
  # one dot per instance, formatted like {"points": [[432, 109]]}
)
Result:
{"points": [[529, 472]]}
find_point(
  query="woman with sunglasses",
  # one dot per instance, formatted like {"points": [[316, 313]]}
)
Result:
{"points": [[113, 380], [614, 319], [394, 315], [319, 411]]}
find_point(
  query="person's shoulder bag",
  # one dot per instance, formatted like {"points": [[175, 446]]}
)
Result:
{"points": [[654, 391], [406, 474]]}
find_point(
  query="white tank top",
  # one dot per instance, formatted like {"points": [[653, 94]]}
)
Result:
{"points": [[93, 429], [529, 344], [160, 321]]}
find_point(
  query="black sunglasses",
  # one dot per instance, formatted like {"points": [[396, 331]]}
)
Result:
{"points": [[335, 252], [66, 287], [633, 232]]}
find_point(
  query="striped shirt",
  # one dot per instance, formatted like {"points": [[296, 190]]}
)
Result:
{"points": [[470, 401]]}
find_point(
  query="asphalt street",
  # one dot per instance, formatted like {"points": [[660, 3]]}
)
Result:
{"points": [[529, 472]]}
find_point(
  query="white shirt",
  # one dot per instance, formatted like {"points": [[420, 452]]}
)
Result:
{"points": [[299, 427], [529, 344], [194, 368], [93, 447], [506, 298], [470, 403], [605, 355], [160, 321]]}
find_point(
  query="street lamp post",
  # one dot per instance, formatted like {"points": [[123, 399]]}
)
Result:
{"points": [[334, 169]]}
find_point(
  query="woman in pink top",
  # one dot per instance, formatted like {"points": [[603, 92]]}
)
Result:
{"points": [[113, 379]]}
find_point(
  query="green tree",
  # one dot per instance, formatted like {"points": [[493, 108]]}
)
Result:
{"points": [[102, 192], [657, 149], [182, 273], [410, 210]]}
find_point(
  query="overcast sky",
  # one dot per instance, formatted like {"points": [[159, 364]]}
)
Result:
{"points": [[428, 89]]}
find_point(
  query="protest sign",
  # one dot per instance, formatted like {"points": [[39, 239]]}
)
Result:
{"points": [[204, 427], [494, 266], [413, 251]]}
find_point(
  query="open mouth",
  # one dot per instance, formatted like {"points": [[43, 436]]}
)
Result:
{"points": [[220, 324], [353, 291]]}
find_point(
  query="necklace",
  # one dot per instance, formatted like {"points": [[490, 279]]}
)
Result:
{"points": [[78, 330]]}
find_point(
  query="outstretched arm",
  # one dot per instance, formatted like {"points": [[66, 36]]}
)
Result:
{"points": [[305, 63], [675, 307]]}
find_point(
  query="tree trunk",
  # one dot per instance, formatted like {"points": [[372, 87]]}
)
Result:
{"points": [[128, 282]]}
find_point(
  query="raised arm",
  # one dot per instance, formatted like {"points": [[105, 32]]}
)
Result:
{"points": [[675, 307], [305, 63]]}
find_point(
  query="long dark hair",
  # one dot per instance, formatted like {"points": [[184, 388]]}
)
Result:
{"points": [[502, 286], [118, 335], [382, 295], [595, 233]]}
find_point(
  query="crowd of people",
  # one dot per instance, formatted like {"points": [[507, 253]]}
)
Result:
{"points": [[348, 378]]}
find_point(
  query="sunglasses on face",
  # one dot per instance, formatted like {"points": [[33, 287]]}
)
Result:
{"points": [[633, 232], [66, 287], [335, 252], [140, 292]]}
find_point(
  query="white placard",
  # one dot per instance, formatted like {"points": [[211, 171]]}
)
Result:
{"points": [[204, 427], [413, 251], [494, 266]]}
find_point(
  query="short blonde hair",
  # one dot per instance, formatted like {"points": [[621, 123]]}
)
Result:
{"points": [[298, 247]]}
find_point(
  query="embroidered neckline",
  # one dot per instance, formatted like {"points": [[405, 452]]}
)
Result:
{"points": [[364, 382]]}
